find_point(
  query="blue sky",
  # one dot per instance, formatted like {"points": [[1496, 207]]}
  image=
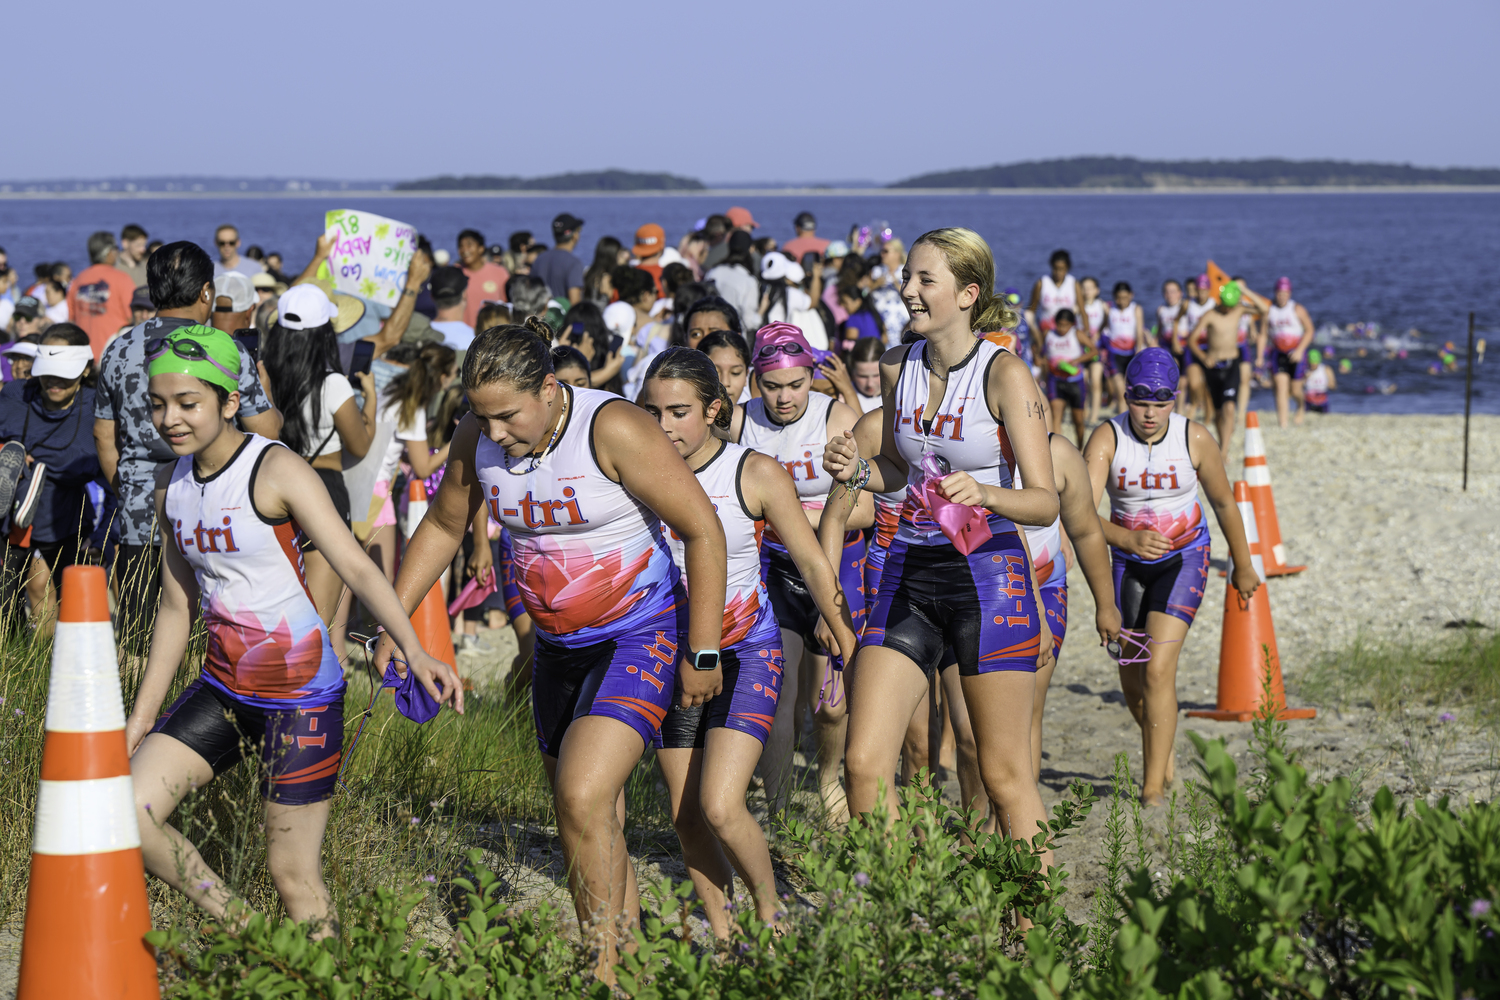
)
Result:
{"points": [[768, 91]]}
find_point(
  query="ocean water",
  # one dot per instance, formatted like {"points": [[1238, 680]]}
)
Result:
{"points": [[1380, 273]]}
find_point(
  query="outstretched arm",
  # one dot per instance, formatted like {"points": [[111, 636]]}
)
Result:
{"points": [[1080, 518]]}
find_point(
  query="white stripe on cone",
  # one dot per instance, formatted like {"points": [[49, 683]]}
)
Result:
{"points": [[1258, 475], [415, 511], [92, 816], [1252, 537], [1255, 445], [84, 693]]}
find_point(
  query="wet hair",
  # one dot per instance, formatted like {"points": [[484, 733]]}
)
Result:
{"points": [[176, 274], [865, 350], [520, 354], [471, 234], [74, 336], [971, 262], [1122, 286], [1060, 255], [694, 368], [528, 296], [725, 338], [419, 385], [299, 362], [606, 256], [1065, 314], [100, 244], [493, 314], [568, 357]]}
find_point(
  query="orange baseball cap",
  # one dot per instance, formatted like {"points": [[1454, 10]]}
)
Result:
{"points": [[741, 217], [650, 240]]}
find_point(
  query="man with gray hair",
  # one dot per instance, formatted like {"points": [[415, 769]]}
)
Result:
{"points": [[99, 298]]}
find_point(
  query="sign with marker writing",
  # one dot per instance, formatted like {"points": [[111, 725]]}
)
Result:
{"points": [[370, 254]]}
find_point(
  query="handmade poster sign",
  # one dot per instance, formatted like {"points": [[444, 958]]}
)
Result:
{"points": [[370, 254]]}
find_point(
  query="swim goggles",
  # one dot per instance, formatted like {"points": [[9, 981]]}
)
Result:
{"points": [[188, 350], [791, 349], [1141, 392]]}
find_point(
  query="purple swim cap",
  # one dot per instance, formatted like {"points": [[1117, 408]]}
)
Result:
{"points": [[1154, 368]]}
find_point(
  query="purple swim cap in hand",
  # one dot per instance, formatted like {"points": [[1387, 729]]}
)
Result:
{"points": [[1154, 368]]}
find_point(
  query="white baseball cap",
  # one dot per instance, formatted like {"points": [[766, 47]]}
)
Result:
{"points": [[238, 288], [619, 317], [62, 360], [303, 307], [775, 266]]}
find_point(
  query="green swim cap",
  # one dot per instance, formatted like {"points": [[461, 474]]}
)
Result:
{"points": [[1315, 357], [1229, 295], [200, 351]]}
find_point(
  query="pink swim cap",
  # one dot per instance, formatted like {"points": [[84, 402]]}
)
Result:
{"points": [[1203, 280], [782, 345], [1283, 282]]}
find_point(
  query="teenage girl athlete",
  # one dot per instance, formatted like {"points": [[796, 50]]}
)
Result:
{"points": [[1091, 316], [988, 420], [1201, 300], [1316, 386], [1053, 291], [1151, 461], [234, 507], [792, 424], [583, 481], [1290, 331], [1252, 346], [731, 357], [709, 752], [1067, 350], [1124, 332]]}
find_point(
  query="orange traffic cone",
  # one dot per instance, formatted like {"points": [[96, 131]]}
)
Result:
{"points": [[431, 624], [1247, 650], [416, 506], [1258, 476], [86, 910]]}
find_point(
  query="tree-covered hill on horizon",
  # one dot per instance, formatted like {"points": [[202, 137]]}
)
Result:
{"points": [[1128, 172], [594, 180]]}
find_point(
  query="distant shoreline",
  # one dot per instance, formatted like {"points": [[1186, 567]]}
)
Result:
{"points": [[745, 192]]}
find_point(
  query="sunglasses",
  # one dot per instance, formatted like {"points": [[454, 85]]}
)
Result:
{"points": [[1142, 393], [188, 350], [791, 349], [228, 243]]}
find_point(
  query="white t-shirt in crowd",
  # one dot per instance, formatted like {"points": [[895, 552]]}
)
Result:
{"points": [[336, 392], [456, 333], [415, 432], [59, 312]]}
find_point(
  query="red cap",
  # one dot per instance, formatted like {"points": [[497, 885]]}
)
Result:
{"points": [[741, 217], [650, 240]]}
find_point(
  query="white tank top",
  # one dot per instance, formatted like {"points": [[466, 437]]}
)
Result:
{"points": [[1247, 323], [868, 403], [1284, 326], [745, 594], [1055, 297], [1194, 312], [797, 446], [1315, 386], [1122, 330], [1063, 347], [267, 646], [1095, 312], [590, 559], [962, 433], [1166, 319], [1155, 487]]}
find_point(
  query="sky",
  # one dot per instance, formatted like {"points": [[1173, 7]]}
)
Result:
{"points": [[772, 91]]}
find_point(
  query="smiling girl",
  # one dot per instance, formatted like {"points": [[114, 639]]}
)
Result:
{"points": [[234, 507]]}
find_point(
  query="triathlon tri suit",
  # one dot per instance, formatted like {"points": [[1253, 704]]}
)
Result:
{"points": [[931, 595], [508, 589], [595, 575], [887, 518], [1315, 389], [1051, 574], [1155, 487], [271, 683], [1095, 313], [1123, 341], [1060, 349], [1192, 312], [1247, 327], [1167, 318], [798, 447], [1055, 297], [750, 648], [1284, 327]]}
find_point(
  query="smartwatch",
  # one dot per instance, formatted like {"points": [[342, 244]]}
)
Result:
{"points": [[706, 659]]}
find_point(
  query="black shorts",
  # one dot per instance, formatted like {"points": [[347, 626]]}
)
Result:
{"points": [[137, 573], [791, 601], [299, 748], [1173, 586], [338, 492], [1070, 393], [1223, 380]]}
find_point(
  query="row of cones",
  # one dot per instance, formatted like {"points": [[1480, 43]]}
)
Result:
{"points": [[86, 908], [1249, 664]]}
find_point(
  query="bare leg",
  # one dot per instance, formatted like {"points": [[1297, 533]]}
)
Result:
{"points": [[943, 718], [970, 782], [885, 688], [1000, 705], [1080, 425], [164, 770], [1117, 390], [597, 756], [294, 856], [41, 595], [706, 864], [1283, 390], [1160, 730], [830, 728], [776, 763], [1059, 407], [729, 758], [1247, 382], [1225, 426], [1301, 398], [915, 753], [1043, 681], [1096, 389]]}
